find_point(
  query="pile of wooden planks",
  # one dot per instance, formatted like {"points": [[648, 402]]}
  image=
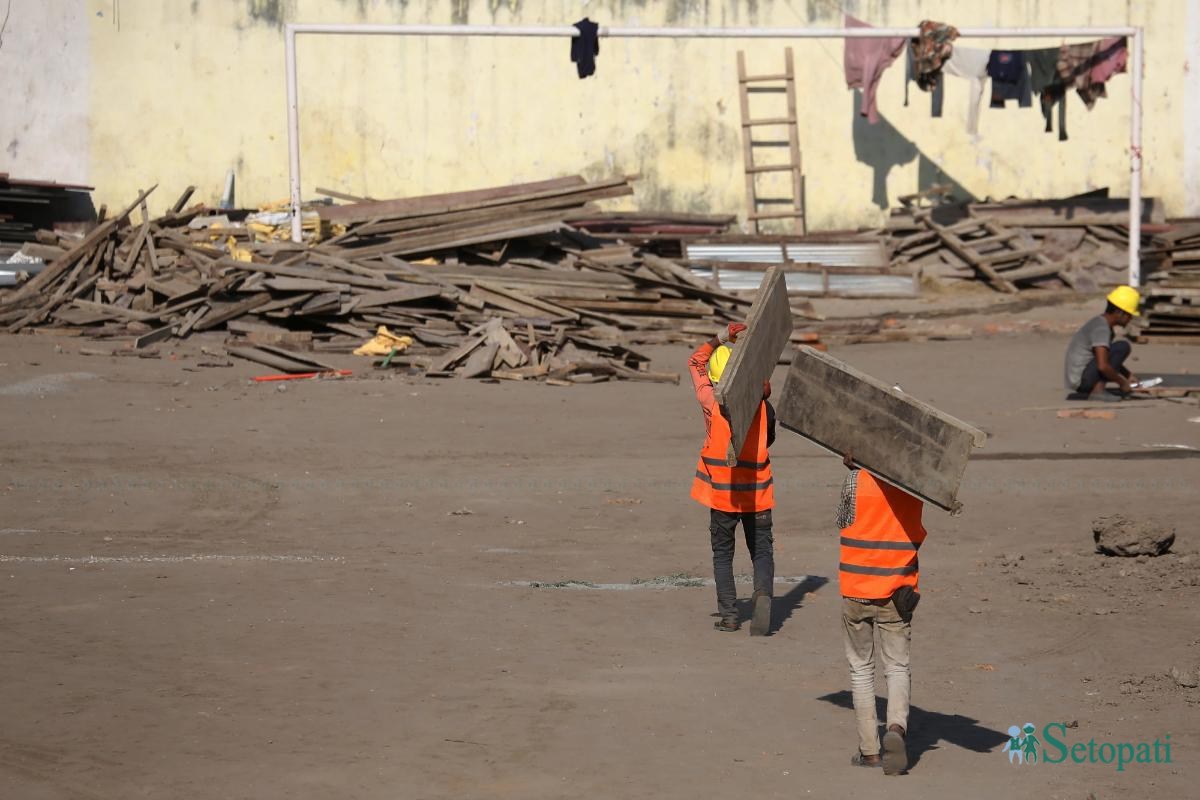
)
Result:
{"points": [[29, 205], [1171, 296], [1080, 242], [487, 283]]}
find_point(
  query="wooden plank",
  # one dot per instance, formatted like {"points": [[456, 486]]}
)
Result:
{"points": [[182, 201], [114, 311], [403, 294], [525, 301], [285, 283], [897, 438], [221, 313], [275, 358], [768, 328], [439, 203], [311, 273], [155, 336]]}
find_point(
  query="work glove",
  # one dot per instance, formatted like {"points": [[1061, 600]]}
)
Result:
{"points": [[730, 334]]}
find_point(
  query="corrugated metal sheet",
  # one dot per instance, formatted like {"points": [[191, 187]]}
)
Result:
{"points": [[829, 254], [813, 282]]}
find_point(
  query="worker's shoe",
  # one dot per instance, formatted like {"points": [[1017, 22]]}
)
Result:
{"points": [[895, 752], [760, 621], [859, 760], [727, 625]]}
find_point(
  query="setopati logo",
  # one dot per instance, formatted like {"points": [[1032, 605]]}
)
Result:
{"points": [[1026, 747]]}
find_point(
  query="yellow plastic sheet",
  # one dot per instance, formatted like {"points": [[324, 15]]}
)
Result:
{"points": [[383, 343]]}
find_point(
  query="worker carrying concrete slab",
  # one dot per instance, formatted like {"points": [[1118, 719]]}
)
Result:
{"points": [[1093, 359], [741, 491], [881, 531]]}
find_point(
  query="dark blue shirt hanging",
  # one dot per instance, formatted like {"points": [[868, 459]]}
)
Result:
{"points": [[1010, 78], [585, 47]]}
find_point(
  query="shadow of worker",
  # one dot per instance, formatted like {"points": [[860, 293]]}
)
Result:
{"points": [[783, 606], [881, 147], [927, 728]]}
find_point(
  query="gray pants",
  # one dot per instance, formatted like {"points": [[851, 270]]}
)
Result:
{"points": [[759, 541], [859, 621], [1118, 351]]}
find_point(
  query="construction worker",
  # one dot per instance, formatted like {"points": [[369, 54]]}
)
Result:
{"points": [[738, 492], [1094, 359], [881, 531]]}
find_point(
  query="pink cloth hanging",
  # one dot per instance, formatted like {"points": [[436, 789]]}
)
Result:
{"points": [[865, 60]]}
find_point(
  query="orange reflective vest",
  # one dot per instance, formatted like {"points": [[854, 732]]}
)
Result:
{"points": [[747, 486], [879, 549]]}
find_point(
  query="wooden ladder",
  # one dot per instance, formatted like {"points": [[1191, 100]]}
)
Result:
{"points": [[785, 84]]}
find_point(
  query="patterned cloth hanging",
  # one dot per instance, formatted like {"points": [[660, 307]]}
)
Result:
{"points": [[931, 49]]}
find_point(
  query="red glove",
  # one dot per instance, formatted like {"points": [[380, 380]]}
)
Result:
{"points": [[766, 389], [731, 333]]}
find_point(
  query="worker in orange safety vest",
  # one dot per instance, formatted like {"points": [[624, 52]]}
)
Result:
{"points": [[881, 532], [739, 492]]}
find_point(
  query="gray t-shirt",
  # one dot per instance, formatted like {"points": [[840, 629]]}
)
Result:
{"points": [[1094, 333]]}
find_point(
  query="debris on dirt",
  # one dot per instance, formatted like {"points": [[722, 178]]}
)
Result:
{"points": [[679, 579], [461, 512], [1116, 535], [1086, 413], [1187, 677]]}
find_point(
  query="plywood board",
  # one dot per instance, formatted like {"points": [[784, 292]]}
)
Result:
{"points": [[897, 438], [768, 329]]}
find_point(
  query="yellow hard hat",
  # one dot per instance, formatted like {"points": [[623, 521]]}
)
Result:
{"points": [[1125, 298], [717, 361]]}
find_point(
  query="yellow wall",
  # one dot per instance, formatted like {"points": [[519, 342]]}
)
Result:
{"points": [[182, 90]]}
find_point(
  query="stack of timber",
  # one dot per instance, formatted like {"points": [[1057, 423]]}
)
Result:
{"points": [[1078, 242], [492, 282], [663, 233], [1171, 296], [27, 206]]}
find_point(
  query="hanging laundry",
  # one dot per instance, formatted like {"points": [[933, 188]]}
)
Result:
{"points": [[1010, 78], [1046, 82], [585, 47], [931, 48], [971, 64], [864, 61], [1112, 59], [1085, 67], [935, 105]]}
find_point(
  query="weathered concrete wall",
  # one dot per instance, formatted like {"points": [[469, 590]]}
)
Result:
{"points": [[44, 75], [180, 91]]}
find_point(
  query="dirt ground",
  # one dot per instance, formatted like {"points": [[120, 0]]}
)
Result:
{"points": [[389, 587]]}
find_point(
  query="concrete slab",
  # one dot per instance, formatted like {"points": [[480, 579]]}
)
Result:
{"points": [[768, 329], [897, 438]]}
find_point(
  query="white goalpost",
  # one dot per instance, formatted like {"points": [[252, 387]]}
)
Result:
{"points": [[1135, 34]]}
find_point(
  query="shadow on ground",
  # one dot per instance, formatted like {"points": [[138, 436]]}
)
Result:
{"points": [[926, 729], [782, 607]]}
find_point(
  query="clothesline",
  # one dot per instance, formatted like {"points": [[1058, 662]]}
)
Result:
{"points": [[1015, 74]]}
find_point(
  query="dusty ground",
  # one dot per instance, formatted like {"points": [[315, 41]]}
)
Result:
{"points": [[213, 589]]}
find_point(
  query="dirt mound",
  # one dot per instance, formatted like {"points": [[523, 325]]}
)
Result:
{"points": [[1116, 535]]}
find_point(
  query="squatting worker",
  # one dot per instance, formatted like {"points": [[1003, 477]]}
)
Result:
{"points": [[1094, 359], [741, 492], [881, 531]]}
